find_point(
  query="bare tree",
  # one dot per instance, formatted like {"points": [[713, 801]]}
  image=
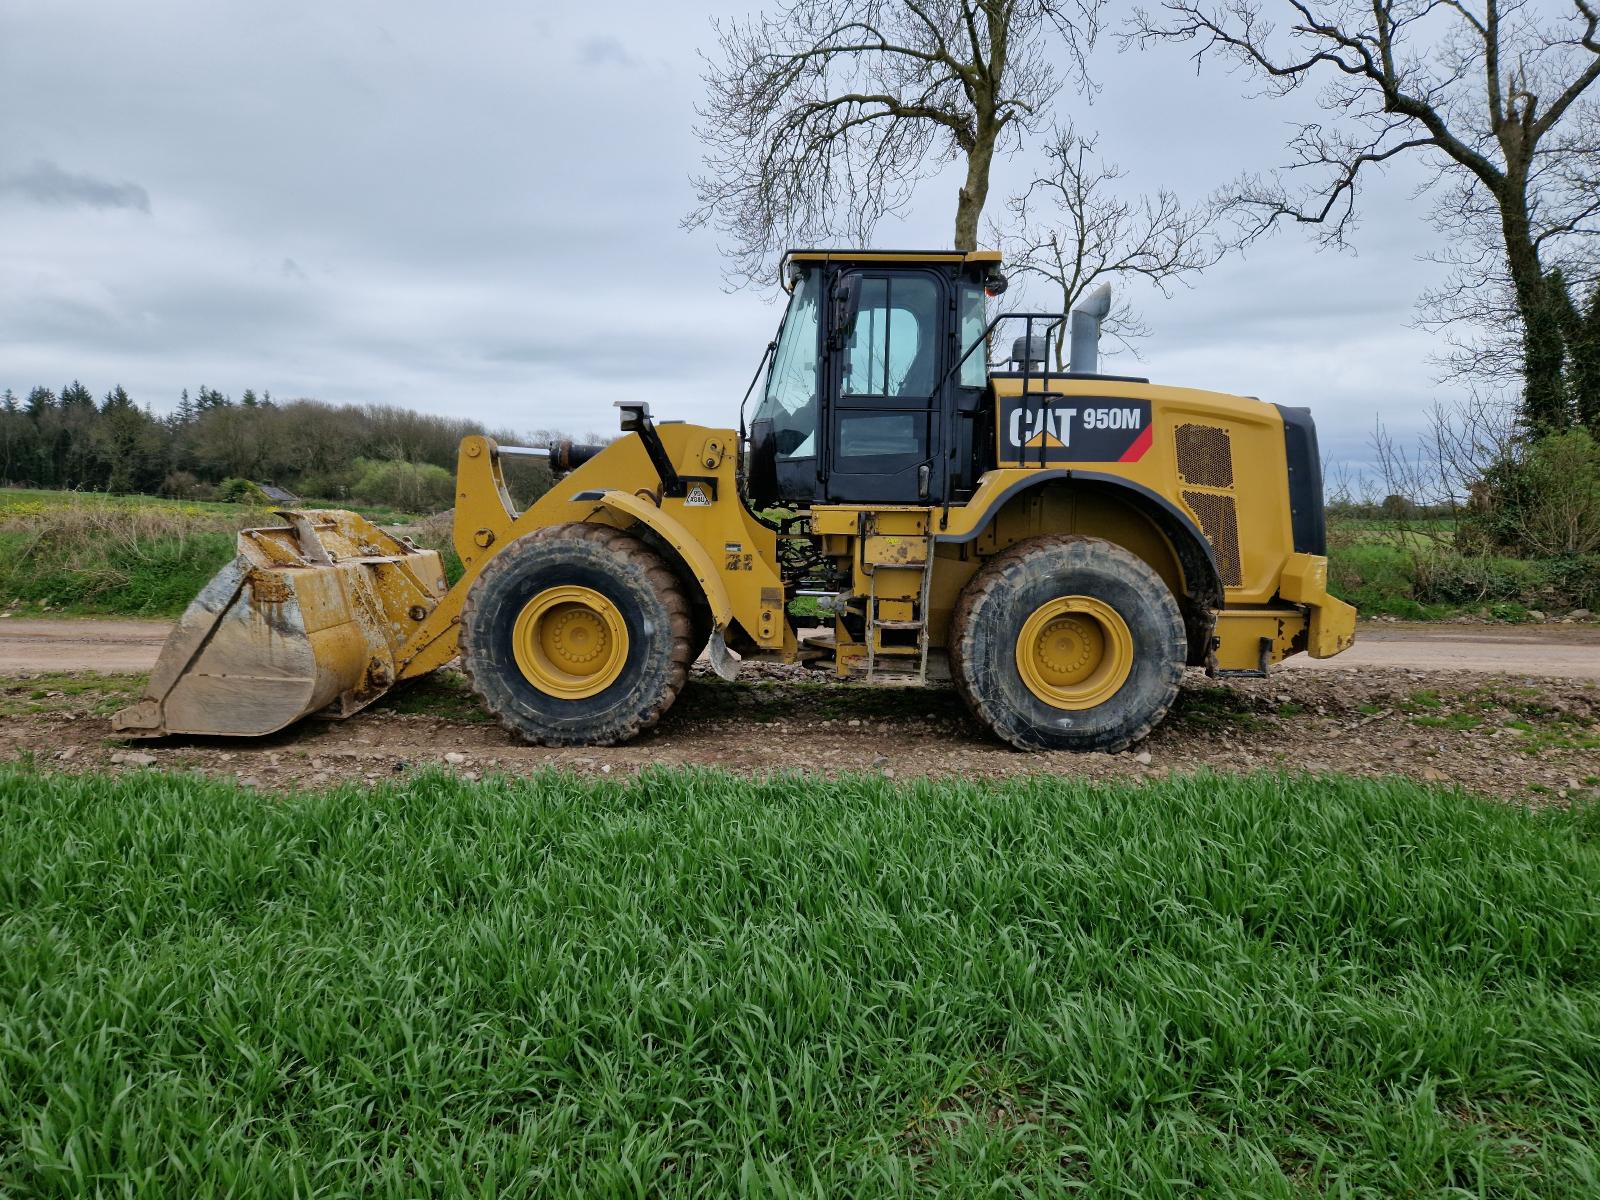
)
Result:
{"points": [[1442, 467], [1499, 95], [1070, 230], [823, 115], [1502, 492]]}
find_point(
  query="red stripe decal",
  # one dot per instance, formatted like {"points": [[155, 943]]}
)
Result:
{"points": [[1140, 444]]}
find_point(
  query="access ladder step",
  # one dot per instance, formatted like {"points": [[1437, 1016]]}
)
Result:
{"points": [[895, 668]]}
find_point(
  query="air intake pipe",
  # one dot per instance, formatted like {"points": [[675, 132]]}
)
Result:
{"points": [[1085, 330]]}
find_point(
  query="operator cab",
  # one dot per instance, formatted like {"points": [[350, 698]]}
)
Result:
{"points": [[864, 401]]}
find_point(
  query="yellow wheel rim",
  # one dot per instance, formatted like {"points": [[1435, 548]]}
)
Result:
{"points": [[1074, 652], [570, 642]]}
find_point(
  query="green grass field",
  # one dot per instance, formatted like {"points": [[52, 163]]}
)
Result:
{"points": [[84, 554], [688, 984]]}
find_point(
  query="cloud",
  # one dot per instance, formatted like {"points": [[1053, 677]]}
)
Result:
{"points": [[463, 244], [602, 49], [47, 184]]}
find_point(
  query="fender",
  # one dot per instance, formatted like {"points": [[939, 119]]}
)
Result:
{"points": [[671, 531], [1202, 581], [1198, 559], [626, 504], [434, 642]]}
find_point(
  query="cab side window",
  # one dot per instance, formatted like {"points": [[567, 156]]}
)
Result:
{"points": [[974, 320], [895, 348]]}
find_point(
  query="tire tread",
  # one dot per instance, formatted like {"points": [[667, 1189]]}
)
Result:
{"points": [[632, 554], [1006, 571]]}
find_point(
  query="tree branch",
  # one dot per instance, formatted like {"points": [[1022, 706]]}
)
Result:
{"points": [[822, 116]]}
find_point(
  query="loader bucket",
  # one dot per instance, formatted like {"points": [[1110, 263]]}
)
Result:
{"points": [[309, 616]]}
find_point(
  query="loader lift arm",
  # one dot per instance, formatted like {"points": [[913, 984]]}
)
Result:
{"points": [[740, 586]]}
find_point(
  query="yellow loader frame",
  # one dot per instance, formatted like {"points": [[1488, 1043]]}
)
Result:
{"points": [[329, 612]]}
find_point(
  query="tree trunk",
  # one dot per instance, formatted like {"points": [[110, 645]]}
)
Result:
{"points": [[975, 191], [1544, 397], [1064, 330]]}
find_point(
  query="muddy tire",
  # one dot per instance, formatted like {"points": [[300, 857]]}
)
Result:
{"points": [[701, 621], [1067, 643], [577, 634]]}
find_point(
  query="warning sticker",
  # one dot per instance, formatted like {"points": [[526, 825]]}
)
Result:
{"points": [[697, 498]]}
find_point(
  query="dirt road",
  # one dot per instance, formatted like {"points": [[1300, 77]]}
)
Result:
{"points": [[1533, 740], [107, 647], [1508, 711], [1553, 651]]}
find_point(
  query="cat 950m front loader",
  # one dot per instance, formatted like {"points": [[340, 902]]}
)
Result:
{"points": [[1060, 543]]}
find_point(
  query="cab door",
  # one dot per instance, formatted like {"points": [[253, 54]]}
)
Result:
{"points": [[884, 427]]}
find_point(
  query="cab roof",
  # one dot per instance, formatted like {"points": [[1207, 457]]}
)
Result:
{"points": [[892, 256]]}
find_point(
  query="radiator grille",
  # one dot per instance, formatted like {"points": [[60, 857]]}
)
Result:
{"points": [[1205, 455], [1220, 524]]}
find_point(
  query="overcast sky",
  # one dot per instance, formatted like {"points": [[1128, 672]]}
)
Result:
{"points": [[473, 209]]}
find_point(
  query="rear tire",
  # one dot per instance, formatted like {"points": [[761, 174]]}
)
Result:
{"points": [[1067, 643], [576, 634]]}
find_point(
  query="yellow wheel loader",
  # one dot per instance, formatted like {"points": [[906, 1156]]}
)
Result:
{"points": [[1060, 543]]}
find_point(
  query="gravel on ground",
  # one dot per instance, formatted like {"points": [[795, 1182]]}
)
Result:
{"points": [[1521, 738]]}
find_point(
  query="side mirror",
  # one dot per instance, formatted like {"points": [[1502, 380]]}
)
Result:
{"points": [[635, 414], [846, 307]]}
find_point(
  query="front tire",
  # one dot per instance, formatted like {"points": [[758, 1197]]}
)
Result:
{"points": [[1067, 643], [577, 634]]}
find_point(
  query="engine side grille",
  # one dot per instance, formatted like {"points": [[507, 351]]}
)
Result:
{"points": [[1205, 455], [1220, 523]]}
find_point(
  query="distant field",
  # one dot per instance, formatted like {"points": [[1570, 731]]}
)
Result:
{"points": [[24, 501], [1386, 529], [692, 985], [88, 554]]}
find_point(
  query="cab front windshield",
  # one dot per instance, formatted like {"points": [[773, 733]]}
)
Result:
{"points": [[790, 402]]}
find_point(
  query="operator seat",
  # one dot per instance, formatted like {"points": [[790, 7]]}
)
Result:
{"points": [[922, 376]]}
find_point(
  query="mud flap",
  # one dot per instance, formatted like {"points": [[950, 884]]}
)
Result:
{"points": [[309, 616], [722, 662]]}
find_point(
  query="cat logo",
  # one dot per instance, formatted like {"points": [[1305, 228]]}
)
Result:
{"points": [[1036, 430], [1046, 427], [697, 498]]}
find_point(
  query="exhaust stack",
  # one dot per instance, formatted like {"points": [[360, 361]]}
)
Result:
{"points": [[1085, 330]]}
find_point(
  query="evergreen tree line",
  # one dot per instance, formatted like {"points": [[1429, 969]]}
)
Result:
{"points": [[1562, 391], [69, 440]]}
